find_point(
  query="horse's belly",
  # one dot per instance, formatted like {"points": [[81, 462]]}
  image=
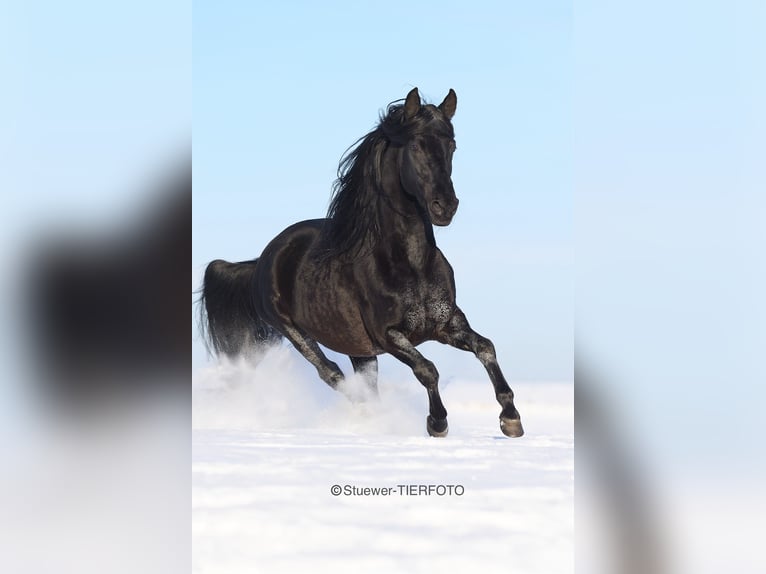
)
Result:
{"points": [[335, 321], [342, 335], [348, 341]]}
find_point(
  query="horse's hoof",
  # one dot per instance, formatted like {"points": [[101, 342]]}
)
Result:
{"points": [[436, 427], [511, 427]]}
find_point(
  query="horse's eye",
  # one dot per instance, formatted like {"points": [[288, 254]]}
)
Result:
{"points": [[414, 147]]}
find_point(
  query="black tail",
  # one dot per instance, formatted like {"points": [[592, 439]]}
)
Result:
{"points": [[228, 317]]}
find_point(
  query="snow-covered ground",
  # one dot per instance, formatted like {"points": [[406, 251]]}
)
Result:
{"points": [[270, 442]]}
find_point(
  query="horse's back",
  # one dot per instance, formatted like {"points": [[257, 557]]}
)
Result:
{"points": [[280, 262], [295, 241]]}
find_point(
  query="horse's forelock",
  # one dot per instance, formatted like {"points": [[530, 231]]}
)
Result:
{"points": [[429, 119]]}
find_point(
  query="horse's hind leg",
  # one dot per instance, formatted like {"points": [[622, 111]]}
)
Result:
{"points": [[328, 371], [367, 367], [458, 333], [425, 371]]}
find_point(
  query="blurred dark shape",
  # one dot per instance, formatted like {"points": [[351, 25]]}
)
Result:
{"points": [[109, 313], [632, 532]]}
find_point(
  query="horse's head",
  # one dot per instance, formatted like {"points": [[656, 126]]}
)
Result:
{"points": [[426, 156]]}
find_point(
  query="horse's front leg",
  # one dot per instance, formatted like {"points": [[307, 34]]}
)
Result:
{"points": [[458, 334], [400, 347]]}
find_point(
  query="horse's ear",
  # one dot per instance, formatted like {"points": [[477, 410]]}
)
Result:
{"points": [[449, 105], [411, 104]]}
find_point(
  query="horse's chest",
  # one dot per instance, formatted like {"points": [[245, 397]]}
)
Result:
{"points": [[428, 308]]}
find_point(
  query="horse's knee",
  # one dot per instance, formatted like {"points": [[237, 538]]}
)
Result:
{"points": [[485, 350]]}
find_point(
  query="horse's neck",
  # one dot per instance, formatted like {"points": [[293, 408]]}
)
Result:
{"points": [[405, 227]]}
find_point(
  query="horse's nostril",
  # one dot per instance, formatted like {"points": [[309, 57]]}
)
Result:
{"points": [[437, 207]]}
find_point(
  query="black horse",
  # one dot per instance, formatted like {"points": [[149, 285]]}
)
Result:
{"points": [[369, 278]]}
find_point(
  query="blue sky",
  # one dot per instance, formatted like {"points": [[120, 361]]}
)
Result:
{"points": [[282, 89], [670, 218], [96, 102]]}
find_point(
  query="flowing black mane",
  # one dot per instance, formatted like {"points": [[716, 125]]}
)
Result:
{"points": [[352, 217]]}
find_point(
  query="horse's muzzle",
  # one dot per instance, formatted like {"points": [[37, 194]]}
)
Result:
{"points": [[443, 212]]}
